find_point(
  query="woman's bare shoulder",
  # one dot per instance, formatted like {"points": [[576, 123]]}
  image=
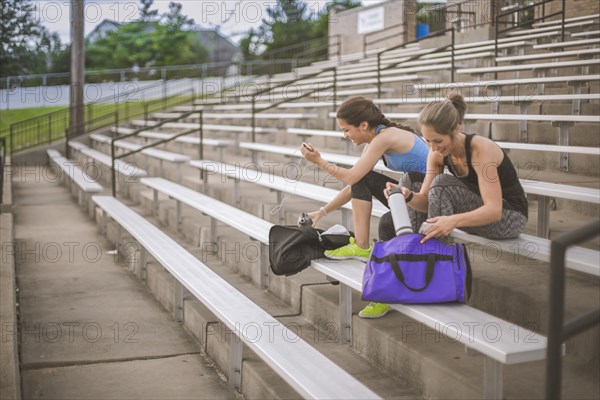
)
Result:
{"points": [[486, 149]]}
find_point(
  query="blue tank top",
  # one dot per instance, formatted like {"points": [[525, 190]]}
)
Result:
{"points": [[414, 160]]}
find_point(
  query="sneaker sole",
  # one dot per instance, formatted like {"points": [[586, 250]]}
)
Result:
{"points": [[363, 259], [374, 316]]}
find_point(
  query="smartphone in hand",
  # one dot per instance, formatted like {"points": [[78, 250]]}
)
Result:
{"points": [[307, 146]]}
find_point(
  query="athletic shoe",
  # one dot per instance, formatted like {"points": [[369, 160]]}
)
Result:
{"points": [[374, 310], [349, 251]]}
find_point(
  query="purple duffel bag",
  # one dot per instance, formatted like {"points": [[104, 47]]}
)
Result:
{"points": [[402, 270]]}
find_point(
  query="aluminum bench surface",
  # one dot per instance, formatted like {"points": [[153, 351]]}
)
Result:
{"points": [[290, 356]]}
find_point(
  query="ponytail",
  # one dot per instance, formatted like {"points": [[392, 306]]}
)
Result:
{"points": [[444, 116]]}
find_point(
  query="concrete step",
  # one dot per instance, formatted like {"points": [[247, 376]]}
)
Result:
{"points": [[498, 281], [259, 380]]}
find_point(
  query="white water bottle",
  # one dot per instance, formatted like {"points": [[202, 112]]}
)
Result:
{"points": [[399, 210]]}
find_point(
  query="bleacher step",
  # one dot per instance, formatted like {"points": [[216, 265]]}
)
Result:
{"points": [[261, 381], [492, 289]]}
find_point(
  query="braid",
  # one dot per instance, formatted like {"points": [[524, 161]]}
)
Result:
{"points": [[358, 109], [387, 122]]}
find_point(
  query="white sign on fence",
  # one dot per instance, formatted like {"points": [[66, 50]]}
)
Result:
{"points": [[370, 20]]}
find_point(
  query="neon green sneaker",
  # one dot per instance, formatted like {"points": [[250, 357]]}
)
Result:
{"points": [[374, 310], [348, 251]]}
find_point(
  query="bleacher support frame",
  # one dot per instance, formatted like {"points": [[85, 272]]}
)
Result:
{"points": [[558, 331]]}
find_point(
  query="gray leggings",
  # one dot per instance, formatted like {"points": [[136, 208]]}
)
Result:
{"points": [[448, 196]]}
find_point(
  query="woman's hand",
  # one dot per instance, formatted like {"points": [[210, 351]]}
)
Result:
{"points": [[441, 226], [316, 217], [391, 186], [310, 153]]}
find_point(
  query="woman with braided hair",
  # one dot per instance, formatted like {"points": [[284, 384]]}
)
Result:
{"points": [[401, 150]]}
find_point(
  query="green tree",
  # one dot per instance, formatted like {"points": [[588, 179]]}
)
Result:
{"points": [[163, 41], [289, 23], [46, 52], [175, 43], [146, 14], [20, 36]]}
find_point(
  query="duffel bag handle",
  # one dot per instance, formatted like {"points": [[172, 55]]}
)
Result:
{"points": [[431, 258]]}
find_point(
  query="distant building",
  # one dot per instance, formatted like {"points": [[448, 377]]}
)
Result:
{"points": [[220, 48], [102, 29]]}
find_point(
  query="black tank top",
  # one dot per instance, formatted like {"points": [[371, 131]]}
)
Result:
{"points": [[513, 195]]}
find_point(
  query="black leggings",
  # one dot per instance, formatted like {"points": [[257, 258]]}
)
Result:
{"points": [[372, 185], [448, 195]]}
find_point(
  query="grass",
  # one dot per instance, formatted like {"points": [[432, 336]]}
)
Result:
{"points": [[46, 129], [8, 117]]}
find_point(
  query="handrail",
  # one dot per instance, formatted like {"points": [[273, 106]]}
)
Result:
{"points": [[162, 141], [272, 55], [418, 56], [287, 83], [497, 23], [90, 123], [367, 35], [2, 161], [558, 332]]}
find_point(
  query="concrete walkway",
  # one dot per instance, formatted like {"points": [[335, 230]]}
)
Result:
{"points": [[89, 328]]}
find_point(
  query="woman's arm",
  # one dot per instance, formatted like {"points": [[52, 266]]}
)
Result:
{"points": [[344, 196], [485, 159], [420, 200], [371, 154]]}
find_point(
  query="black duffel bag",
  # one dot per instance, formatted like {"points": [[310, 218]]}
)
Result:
{"points": [[291, 247]]}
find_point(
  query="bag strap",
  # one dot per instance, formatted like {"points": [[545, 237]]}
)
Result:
{"points": [[411, 257], [430, 258]]}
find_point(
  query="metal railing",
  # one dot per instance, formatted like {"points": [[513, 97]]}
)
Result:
{"points": [[367, 36], [416, 57], [528, 22], [296, 55], [107, 119], [115, 157], [287, 83], [2, 161], [558, 331], [116, 74]]}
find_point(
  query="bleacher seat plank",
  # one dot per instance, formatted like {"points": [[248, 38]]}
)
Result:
{"points": [[506, 82], [528, 57], [121, 166], [295, 152], [152, 152], [446, 317], [72, 170], [210, 127], [290, 186], [527, 246], [571, 43], [294, 360], [545, 29], [567, 20], [504, 145], [494, 99], [251, 225], [510, 117], [520, 67], [261, 116]]}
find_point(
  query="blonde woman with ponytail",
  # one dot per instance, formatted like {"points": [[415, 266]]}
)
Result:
{"points": [[401, 150], [481, 195]]}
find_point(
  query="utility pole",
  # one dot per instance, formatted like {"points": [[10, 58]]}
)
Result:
{"points": [[76, 112]]}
